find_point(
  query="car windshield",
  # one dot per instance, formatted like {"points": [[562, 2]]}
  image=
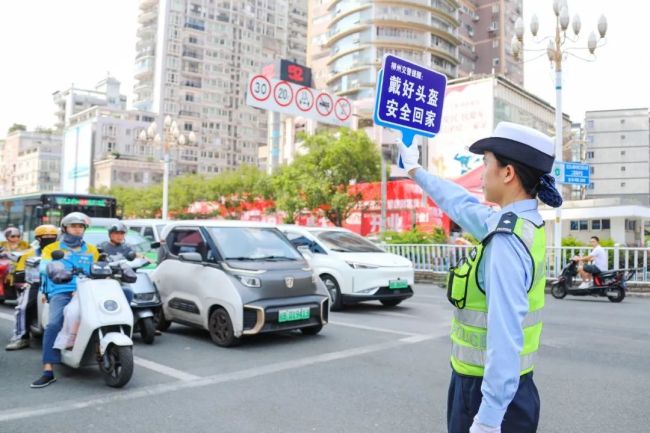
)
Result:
{"points": [[347, 242], [134, 240], [250, 243]]}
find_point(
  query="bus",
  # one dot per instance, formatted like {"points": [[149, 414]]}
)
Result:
{"points": [[29, 211]]}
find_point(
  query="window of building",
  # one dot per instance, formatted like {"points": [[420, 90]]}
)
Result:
{"points": [[630, 225], [622, 184], [591, 169], [622, 168], [622, 121], [590, 155], [590, 186], [590, 124], [622, 152], [595, 225], [495, 43], [579, 225], [622, 136]]}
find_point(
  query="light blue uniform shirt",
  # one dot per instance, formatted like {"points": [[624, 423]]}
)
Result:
{"points": [[505, 275]]}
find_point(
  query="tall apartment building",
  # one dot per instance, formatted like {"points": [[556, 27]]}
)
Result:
{"points": [[618, 149], [74, 100], [486, 28], [194, 59], [30, 162]]}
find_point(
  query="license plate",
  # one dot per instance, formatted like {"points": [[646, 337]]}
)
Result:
{"points": [[293, 314], [398, 284]]}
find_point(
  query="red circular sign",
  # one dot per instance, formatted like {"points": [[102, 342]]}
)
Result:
{"points": [[304, 91], [260, 88], [283, 95], [324, 104], [342, 109]]}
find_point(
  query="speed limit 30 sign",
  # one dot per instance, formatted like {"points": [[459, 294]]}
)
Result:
{"points": [[260, 88]]}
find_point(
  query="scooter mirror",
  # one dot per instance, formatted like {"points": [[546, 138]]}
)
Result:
{"points": [[57, 255], [155, 245], [131, 255]]}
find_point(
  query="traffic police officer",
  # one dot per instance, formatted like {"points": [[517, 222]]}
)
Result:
{"points": [[498, 292]]}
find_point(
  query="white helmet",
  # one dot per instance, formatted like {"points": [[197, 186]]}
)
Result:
{"points": [[74, 218]]}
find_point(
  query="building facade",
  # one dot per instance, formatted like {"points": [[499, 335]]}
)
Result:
{"points": [[486, 28], [101, 146], [30, 162], [194, 59], [618, 150], [74, 100]]}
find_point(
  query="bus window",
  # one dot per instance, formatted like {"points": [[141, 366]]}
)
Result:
{"points": [[16, 214], [4, 215]]}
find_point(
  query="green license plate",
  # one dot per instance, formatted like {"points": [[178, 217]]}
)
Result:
{"points": [[293, 314], [398, 284]]}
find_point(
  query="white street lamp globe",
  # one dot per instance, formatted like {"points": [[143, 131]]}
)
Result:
{"points": [[174, 125], [168, 121], [550, 50], [534, 25], [564, 19], [592, 42], [515, 46], [143, 135], [157, 140], [602, 26], [556, 7], [181, 140], [576, 24], [519, 29], [192, 137], [151, 131], [175, 131]]}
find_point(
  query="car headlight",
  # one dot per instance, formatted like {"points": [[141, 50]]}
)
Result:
{"points": [[355, 265], [249, 281]]}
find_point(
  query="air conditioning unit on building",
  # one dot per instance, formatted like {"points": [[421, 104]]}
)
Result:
{"points": [[493, 27], [475, 17]]}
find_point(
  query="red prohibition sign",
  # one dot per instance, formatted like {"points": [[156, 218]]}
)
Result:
{"points": [[259, 87], [289, 93], [325, 106], [311, 96], [343, 105]]}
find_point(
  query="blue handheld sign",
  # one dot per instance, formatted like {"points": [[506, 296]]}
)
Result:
{"points": [[409, 98]]}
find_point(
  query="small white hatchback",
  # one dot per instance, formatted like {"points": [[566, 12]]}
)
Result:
{"points": [[353, 268]]}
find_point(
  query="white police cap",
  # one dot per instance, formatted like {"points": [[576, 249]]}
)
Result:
{"points": [[519, 143]]}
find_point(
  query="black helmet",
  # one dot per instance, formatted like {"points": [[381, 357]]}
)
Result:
{"points": [[117, 228]]}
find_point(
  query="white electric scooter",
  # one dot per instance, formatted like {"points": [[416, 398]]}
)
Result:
{"points": [[106, 324]]}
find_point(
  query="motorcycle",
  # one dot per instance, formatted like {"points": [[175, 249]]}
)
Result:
{"points": [[11, 281], [105, 326], [610, 284], [145, 300]]}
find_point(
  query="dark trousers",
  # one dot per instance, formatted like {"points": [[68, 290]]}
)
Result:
{"points": [[464, 399]]}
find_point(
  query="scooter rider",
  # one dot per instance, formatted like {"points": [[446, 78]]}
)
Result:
{"points": [[13, 242], [45, 234], [116, 241], [59, 290]]}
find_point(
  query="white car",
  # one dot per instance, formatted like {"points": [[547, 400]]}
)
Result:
{"points": [[149, 228], [353, 268]]}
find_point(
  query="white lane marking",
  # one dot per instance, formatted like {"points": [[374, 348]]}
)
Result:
{"points": [[394, 314], [163, 369], [373, 328], [426, 296], [153, 390], [154, 366]]}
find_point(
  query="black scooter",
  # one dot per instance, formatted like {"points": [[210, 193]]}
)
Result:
{"points": [[611, 284]]}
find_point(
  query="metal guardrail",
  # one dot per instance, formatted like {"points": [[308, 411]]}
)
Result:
{"points": [[439, 258]]}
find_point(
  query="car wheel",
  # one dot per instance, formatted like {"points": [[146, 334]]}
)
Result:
{"points": [[391, 302], [221, 329], [312, 330], [336, 300], [162, 324]]}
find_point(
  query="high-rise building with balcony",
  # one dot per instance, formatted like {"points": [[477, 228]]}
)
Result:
{"points": [[485, 31], [194, 59]]}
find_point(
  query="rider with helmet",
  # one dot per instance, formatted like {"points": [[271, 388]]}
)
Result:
{"points": [[116, 241], [45, 235], [13, 241], [59, 291]]}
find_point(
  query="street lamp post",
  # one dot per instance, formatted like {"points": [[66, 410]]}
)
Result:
{"points": [[171, 136], [557, 51]]}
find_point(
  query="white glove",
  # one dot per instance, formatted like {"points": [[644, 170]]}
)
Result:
{"points": [[408, 157], [477, 427]]}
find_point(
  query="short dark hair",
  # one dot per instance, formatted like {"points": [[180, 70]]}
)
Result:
{"points": [[528, 176], [596, 238]]}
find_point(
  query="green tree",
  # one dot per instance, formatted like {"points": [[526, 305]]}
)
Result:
{"points": [[16, 127], [320, 179]]}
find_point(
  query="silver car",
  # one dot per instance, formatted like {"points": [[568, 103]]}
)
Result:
{"points": [[236, 278]]}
